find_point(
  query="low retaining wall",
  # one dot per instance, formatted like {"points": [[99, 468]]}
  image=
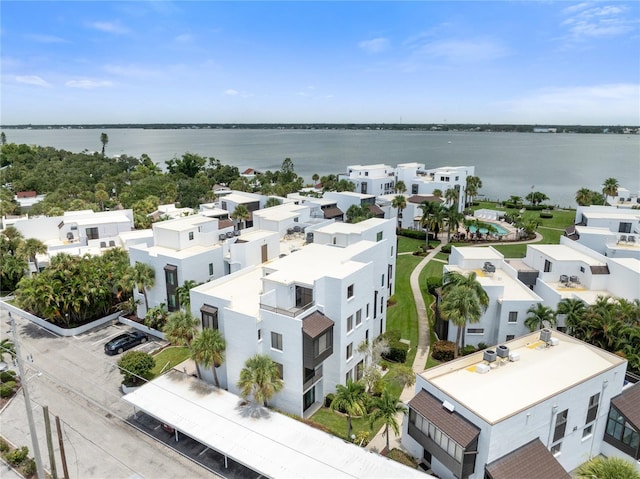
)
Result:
{"points": [[141, 327], [55, 328]]}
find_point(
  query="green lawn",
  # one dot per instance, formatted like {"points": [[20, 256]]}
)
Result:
{"points": [[337, 423], [408, 245], [172, 355]]}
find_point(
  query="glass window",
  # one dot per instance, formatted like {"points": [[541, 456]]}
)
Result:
{"points": [[280, 370], [210, 269], [350, 291], [190, 235], [379, 236], [475, 330], [513, 316], [555, 449], [259, 334], [92, 233], [587, 431], [350, 323], [592, 412], [547, 266], [349, 350], [358, 317], [276, 341], [561, 425]]}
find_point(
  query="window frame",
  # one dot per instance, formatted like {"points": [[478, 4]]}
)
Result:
{"points": [[277, 341]]}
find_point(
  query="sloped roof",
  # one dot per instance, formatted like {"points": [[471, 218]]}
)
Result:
{"points": [[531, 461], [375, 209], [628, 403], [332, 213], [315, 324], [451, 423], [421, 198]]}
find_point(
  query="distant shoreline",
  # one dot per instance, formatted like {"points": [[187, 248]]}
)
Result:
{"points": [[538, 128]]}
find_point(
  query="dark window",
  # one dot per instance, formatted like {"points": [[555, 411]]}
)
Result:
{"points": [[350, 323], [359, 370], [209, 317], [379, 236], [624, 228], [259, 334], [592, 412], [190, 235], [513, 316], [309, 398], [561, 425], [171, 282], [414, 189], [475, 330], [210, 269], [547, 266], [555, 449], [349, 350], [621, 430], [280, 370], [350, 291], [367, 315], [304, 296], [587, 430], [322, 343], [510, 337], [92, 233], [276, 341], [358, 317]]}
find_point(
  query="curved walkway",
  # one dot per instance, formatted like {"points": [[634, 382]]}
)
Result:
{"points": [[379, 442]]}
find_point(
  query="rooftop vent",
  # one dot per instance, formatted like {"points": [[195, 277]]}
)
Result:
{"points": [[482, 368], [503, 351], [489, 355], [222, 236], [310, 237], [448, 406], [545, 335], [554, 341], [514, 356]]}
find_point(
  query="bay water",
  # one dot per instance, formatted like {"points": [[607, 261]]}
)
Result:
{"points": [[507, 163]]}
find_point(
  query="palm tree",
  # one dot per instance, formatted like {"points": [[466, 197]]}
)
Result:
{"points": [[400, 203], [540, 316], [453, 278], [184, 297], [350, 399], [7, 347], [30, 248], [428, 208], [453, 218], [387, 407], [260, 378], [451, 196], [461, 305], [240, 214], [610, 187], [207, 348], [607, 468], [180, 328], [473, 184], [144, 277], [584, 196], [573, 310], [400, 187], [104, 139]]}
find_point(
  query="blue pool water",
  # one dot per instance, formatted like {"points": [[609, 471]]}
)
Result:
{"points": [[500, 231]]}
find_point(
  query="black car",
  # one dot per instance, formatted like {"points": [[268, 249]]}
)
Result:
{"points": [[125, 341]]}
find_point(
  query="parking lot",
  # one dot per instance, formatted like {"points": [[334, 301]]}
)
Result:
{"points": [[81, 385]]}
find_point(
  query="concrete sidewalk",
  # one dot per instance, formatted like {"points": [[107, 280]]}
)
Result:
{"points": [[379, 442]]}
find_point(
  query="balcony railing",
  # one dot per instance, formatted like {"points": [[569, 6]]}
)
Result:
{"points": [[310, 381], [291, 312]]}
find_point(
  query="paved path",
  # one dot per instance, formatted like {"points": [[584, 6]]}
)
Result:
{"points": [[379, 442]]}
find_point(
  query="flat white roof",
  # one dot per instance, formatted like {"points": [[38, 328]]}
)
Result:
{"points": [[194, 250], [97, 220], [614, 214], [340, 227], [281, 212], [474, 252], [242, 290], [561, 252], [540, 373], [182, 224], [512, 289], [238, 198], [272, 444]]}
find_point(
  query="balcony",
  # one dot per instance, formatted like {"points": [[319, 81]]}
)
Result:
{"points": [[311, 380], [291, 312]]}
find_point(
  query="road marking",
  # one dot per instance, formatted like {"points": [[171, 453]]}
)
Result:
{"points": [[107, 338]]}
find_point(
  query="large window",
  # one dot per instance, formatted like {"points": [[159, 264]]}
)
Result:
{"points": [[620, 430], [447, 444], [322, 343], [624, 228], [547, 266], [561, 425], [276, 341], [92, 233], [304, 296], [209, 317]]}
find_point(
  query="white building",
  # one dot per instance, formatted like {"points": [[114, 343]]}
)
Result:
{"points": [[371, 179], [533, 407], [608, 230], [308, 310]]}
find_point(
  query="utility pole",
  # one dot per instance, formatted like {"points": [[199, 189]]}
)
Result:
{"points": [[47, 428], [65, 471], [27, 401]]}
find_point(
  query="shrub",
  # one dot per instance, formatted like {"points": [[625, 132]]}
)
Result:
{"points": [[546, 215], [4, 445], [392, 335], [392, 300], [328, 399], [446, 248], [17, 456], [443, 350], [468, 349], [6, 376], [482, 346], [7, 389], [29, 467], [433, 283], [136, 367], [397, 352]]}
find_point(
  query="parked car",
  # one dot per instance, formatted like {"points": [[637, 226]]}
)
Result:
{"points": [[125, 341]]}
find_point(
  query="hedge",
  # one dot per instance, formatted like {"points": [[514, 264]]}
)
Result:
{"points": [[6, 376], [328, 399], [415, 234], [443, 350]]}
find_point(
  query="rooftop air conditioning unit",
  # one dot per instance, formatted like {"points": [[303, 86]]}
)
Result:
{"points": [[222, 236], [554, 341], [489, 356], [514, 356], [483, 368], [503, 351], [545, 335]]}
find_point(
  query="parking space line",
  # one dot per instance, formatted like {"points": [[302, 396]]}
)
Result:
{"points": [[103, 339]]}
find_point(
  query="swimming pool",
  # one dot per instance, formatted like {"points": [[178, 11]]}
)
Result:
{"points": [[500, 231]]}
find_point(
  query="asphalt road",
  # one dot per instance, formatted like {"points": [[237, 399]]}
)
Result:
{"points": [[80, 385]]}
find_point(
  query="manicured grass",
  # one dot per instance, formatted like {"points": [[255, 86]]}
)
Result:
{"points": [[402, 315], [337, 423], [402, 457], [172, 355], [408, 245], [512, 250]]}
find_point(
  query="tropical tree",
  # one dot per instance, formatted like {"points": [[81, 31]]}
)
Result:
{"points": [[3, 138], [536, 197], [387, 407], [30, 248], [183, 291], [144, 276], [473, 185], [260, 378], [373, 352], [540, 316], [104, 139], [180, 328], [573, 310], [350, 399], [429, 208], [136, 367], [272, 201], [156, 317], [610, 187], [453, 218], [453, 278], [241, 215], [356, 214], [315, 177], [207, 348], [400, 203], [516, 200], [451, 196], [400, 187], [460, 306], [607, 468], [584, 196]]}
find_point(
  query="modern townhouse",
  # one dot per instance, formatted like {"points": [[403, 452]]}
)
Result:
{"points": [[609, 230], [371, 179], [308, 310], [345, 199], [536, 406]]}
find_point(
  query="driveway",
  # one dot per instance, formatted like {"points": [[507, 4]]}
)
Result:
{"points": [[80, 384]]}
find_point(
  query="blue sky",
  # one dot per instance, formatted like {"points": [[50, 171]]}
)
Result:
{"points": [[340, 62]]}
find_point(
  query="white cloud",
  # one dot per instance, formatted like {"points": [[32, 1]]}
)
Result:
{"points": [[465, 51], [231, 92], [33, 80], [184, 38], [109, 27], [88, 84], [587, 21], [131, 71], [375, 45], [35, 37], [596, 104]]}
